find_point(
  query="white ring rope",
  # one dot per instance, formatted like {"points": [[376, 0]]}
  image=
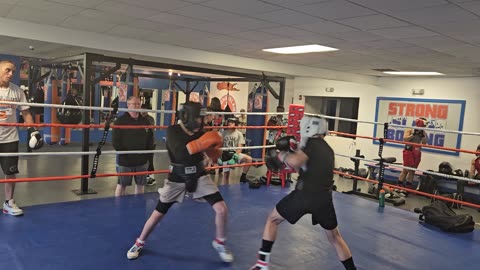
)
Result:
{"points": [[227, 113], [447, 176], [394, 125], [125, 109], [113, 152]]}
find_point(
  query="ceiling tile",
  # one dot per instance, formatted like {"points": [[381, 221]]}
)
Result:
{"points": [[372, 22], [404, 32], [337, 9], [51, 7], [436, 14], [128, 10], [359, 36], [106, 16], [163, 5], [191, 34], [131, 32], [255, 35], [228, 18], [203, 13], [434, 42], [151, 25], [246, 7], [248, 23], [175, 19], [293, 3], [217, 28], [288, 17], [5, 9], [34, 15], [396, 5], [385, 44], [79, 3], [473, 6], [10, 2], [325, 27], [286, 31], [86, 24]]}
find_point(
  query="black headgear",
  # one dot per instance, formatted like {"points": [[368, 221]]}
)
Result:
{"points": [[445, 167], [478, 150], [188, 114], [233, 120]]}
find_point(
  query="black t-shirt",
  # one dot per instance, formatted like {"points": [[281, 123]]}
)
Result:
{"points": [[318, 176], [177, 140], [132, 139]]}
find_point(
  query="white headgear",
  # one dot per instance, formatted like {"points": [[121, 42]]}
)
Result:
{"points": [[310, 126]]}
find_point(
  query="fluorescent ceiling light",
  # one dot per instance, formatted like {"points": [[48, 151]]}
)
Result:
{"points": [[414, 73], [301, 49]]}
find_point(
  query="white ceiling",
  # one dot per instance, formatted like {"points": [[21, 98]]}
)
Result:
{"points": [[414, 35]]}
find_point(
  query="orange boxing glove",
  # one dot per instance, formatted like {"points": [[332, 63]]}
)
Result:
{"points": [[213, 153], [211, 139]]}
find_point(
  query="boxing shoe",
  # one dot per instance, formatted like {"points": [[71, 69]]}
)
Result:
{"points": [[135, 250], [262, 261], [224, 253], [11, 208]]}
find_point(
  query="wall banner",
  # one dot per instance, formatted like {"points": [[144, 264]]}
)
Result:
{"points": [[441, 115]]}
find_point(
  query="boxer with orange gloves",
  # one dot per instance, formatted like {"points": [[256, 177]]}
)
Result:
{"points": [[187, 143]]}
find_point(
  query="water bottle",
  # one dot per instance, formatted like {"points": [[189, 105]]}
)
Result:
{"points": [[381, 198]]}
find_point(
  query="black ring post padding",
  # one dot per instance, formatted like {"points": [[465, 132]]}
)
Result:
{"points": [[109, 119], [381, 172]]}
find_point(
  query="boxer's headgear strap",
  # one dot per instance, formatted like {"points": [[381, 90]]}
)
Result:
{"points": [[188, 114]]}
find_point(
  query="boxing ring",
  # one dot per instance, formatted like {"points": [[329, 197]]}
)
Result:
{"points": [[96, 233]]}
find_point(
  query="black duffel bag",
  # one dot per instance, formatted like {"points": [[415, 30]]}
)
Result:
{"points": [[440, 215]]}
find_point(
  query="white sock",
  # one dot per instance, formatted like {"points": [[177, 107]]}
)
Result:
{"points": [[221, 239]]}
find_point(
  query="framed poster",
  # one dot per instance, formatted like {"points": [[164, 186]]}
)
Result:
{"points": [[441, 115]]}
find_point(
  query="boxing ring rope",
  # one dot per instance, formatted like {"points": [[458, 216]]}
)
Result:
{"points": [[113, 152], [410, 190], [382, 140], [108, 109], [382, 163], [414, 169], [392, 125]]}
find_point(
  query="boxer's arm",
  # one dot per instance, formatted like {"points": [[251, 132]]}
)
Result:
{"points": [[295, 160]]}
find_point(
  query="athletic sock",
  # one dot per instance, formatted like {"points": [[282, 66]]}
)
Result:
{"points": [[349, 265], [266, 246]]}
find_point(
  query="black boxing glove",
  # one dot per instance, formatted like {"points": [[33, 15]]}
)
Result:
{"points": [[287, 143], [271, 160], [35, 141], [419, 133]]}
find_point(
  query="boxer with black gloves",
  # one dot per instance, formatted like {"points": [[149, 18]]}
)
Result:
{"points": [[186, 145], [313, 193], [9, 134]]}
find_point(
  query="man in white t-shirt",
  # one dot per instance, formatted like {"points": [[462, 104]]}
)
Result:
{"points": [[234, 138], [9, 134]]}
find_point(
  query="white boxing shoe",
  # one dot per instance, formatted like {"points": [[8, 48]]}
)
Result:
{"points": [[11, 208], [261, 264], [225, 254]]}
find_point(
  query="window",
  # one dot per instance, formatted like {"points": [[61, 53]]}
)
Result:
{"points": [[337, 107]]}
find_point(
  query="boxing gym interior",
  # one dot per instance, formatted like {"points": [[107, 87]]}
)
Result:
{"points": [[378, 72]]}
